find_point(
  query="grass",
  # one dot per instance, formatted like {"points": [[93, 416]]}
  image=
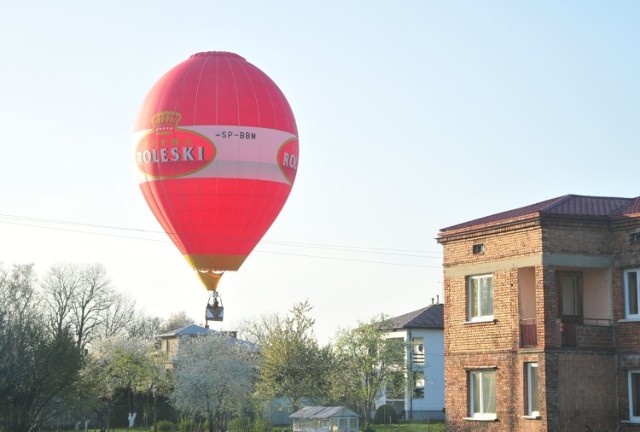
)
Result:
{"points": [[401, 427], [411, 427]]}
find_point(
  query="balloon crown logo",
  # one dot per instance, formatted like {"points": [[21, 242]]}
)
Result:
{"points": [[165, 122], [167, 151]]}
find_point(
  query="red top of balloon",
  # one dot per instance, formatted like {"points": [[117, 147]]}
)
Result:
{"points": [[217, 87]]}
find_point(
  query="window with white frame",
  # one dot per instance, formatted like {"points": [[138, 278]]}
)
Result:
{"points": [[480, 297], [632, 294], [418, 384], [532, 409], [634, 396], [482, 394]]}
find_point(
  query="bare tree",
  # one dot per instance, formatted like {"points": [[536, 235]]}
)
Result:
{"points": [[117, 317], [144, 327], [59, 286], [17, 293], [176, 321]]}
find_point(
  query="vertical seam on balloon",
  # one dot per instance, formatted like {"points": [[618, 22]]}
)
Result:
{"points": [[249, 72], [235, 86], [217, 101], [182, 86], [267, 85], [195, 98]]}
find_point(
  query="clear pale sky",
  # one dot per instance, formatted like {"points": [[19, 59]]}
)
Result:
{"points": [[412, 116]]}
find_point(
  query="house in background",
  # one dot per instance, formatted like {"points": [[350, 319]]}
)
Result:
{"points": [[170, 341], [542, 318], [421, 397]]}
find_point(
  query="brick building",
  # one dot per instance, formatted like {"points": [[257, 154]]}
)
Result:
{"points": [[542, 319]]}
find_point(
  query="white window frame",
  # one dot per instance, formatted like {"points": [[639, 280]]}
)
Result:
{"points": [[632, 418], [532, 391], [476, 407], [627, 314], [482, 315]]}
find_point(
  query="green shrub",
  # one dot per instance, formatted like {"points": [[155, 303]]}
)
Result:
{"points": [[187, 425], [241, 424], [261, 425], [164, 426], [385, 414]]}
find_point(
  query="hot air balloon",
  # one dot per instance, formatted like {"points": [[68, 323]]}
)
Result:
{"points": [[216, 151]]}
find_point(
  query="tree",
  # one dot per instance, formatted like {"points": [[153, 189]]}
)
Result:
{"points": [[176, 321], [144, 327], [38, 370], [117, 367], [214, 378], [293, 364], [81, 298], [118, 316], [59, 286], [91, 301], [366, 360]]}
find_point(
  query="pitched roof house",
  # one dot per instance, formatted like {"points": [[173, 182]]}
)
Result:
{"points": [[170, 340], [542, 319], [422, 395]]}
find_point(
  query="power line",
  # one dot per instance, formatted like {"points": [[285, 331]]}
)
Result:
{"points": [[139, 234]]}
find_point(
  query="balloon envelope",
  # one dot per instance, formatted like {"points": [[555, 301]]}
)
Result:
{"points": [[216, 150]]}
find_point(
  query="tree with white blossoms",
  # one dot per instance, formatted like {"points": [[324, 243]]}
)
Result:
{"points": [[214, 378]]}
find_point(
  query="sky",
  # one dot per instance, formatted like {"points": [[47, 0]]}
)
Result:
{"points": [[412, 116]]}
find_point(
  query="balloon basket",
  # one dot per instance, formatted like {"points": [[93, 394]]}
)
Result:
{"points": [[214, 310]]}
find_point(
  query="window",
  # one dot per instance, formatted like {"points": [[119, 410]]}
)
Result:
{"points": [[570, 301], [478, 248], [418, 384], [480, 298], [532, 408], [634, 395], [482, 394], [631, 294]]}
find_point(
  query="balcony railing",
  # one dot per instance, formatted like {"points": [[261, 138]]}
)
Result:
{"points": [[585, 333], [418, 358], [528, 333]]}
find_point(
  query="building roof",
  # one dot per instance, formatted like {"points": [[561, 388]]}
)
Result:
{"points": [[321, 412], [427, 317], [190, 330], [576, 206]]}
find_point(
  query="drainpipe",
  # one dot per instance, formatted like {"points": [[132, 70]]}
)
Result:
{"points": [[410, 377]]}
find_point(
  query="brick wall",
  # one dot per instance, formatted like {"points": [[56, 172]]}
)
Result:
{"points": [[587, 391], [510, 393]]}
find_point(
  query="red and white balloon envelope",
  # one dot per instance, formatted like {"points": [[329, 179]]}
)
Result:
{"points": [[216, 150]]}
